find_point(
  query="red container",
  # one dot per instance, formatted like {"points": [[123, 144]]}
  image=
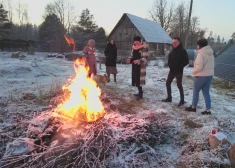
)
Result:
{"points": [[214, 131]]}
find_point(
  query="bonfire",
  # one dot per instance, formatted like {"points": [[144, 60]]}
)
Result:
{"points": [[82, 94]]}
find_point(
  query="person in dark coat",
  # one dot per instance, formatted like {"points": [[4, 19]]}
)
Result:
{"points": [[139, 61], [111, 57], [177, 60]]}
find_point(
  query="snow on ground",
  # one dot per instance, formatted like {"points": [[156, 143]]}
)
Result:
{"points": [[38, 74]]}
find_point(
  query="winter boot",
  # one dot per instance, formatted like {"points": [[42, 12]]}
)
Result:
{"points": [[206, 113], [181, 103], [191, 109], [167, 100], [114, 78], [140, 96]]}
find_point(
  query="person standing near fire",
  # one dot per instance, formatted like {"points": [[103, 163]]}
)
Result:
{"points": [[111, 57], [89, 53], [138, 59], [203, 72], [177, 60]]}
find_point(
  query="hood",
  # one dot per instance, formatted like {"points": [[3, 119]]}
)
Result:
{"points": [[206, 50], [109, 45]]}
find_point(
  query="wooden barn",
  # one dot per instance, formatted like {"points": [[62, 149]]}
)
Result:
{"points": [[129, 26]]}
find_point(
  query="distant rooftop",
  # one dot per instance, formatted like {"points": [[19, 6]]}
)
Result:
{"points": [[225, 63], [151, 31]]}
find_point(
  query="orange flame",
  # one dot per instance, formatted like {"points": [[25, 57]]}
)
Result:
{"points": [[83, 101], [70, 41]]}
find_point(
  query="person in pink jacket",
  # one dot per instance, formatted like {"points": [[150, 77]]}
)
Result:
{"points": [[203, 72], [89, 53]]}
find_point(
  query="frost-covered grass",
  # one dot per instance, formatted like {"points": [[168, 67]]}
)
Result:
{"points": [[145, 133]]}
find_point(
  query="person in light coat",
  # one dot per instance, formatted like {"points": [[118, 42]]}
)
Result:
{"points": [[203, 72]]}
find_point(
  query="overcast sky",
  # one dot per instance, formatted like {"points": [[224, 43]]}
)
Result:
{"points": [[215, 15]]}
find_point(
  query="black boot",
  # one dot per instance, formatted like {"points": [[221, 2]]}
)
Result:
{"points": [[137, 94], [191, 109], [206, 113], [114, 78], [167, 100], [181, 103], [140, 96]]}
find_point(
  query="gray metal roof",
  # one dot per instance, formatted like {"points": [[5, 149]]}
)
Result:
{"points": [[150, 30], [225, 63]]}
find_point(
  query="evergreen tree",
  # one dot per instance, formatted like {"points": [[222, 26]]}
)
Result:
{"points": [[24, 32], [51, 30], [5, 25], [86, 21], [218, 40], [100, 38], [233, 36]]}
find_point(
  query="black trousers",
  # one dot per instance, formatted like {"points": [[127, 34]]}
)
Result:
{"points": [[169, 80]]}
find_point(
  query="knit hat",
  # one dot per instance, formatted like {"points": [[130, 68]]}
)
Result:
{"points": [[137, 38]]}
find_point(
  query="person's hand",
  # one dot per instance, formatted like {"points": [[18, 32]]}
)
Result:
{"points": [[128, 61], [136, 62], [195, 72]]}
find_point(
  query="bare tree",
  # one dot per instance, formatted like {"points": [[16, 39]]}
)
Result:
{"points": [[194, 23], [162, 13], [71, 17], [64, 11], [25, 18], [179, 22], [222, 41], [22, 13], [57, 8], [194, 31], [179, 26], [210, 39], [189, 19], [181, 19], [10, 11]]}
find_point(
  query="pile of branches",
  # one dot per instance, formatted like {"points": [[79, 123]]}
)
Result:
{"points": [[196, 151], [113, 141]]}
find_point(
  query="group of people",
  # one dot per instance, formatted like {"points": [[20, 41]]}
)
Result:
{"points": [[203, 69], [203, 72], [110, 61]]}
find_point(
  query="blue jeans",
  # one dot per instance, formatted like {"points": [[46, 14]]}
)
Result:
{"points": [[202, 83]]}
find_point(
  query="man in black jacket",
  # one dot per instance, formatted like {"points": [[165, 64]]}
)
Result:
{"points": [[177, 60]]}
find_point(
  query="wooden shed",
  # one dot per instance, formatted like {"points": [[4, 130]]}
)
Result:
{"points": [[129, 26]]}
